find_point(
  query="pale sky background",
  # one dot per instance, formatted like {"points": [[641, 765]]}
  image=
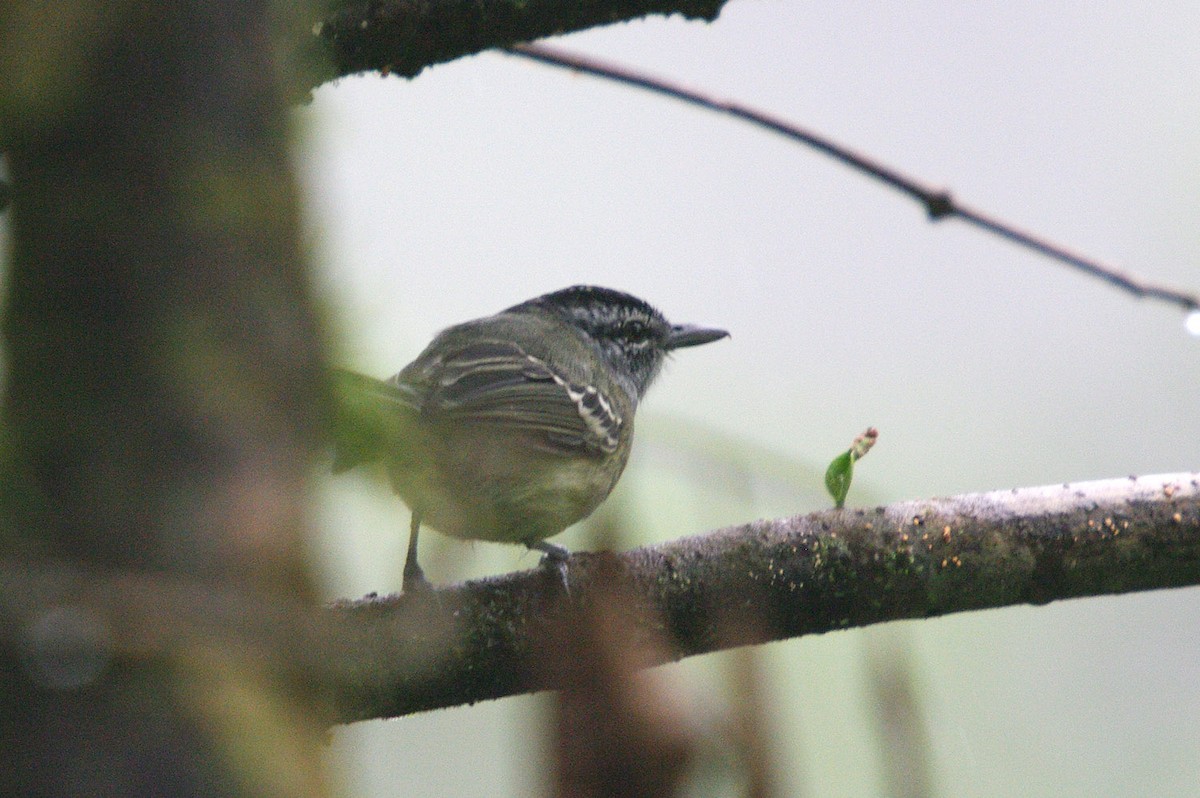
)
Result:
{"points": [[492, 179]]}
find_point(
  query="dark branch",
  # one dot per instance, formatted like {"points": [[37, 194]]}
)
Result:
{"points": [[403, 37], [769, 580], [938, 203]]}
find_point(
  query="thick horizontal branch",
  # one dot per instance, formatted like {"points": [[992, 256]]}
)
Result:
{"points": [[403, 37], [768, 580]]}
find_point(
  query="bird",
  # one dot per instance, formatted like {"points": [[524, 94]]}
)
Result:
{"points": [[512, 427]]}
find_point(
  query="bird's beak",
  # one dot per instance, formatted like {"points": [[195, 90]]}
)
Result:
{"points": [[690, 335]]}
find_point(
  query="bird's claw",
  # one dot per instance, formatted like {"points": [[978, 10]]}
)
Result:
{"points": [[413, 579], [554, 557]]}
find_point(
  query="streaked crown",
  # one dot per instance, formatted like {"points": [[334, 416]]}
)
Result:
{"points": [[631, 335]]}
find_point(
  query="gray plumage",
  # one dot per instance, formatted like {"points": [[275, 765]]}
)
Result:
{"points": [[515, 426]]}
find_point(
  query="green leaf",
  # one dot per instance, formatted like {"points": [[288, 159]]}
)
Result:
{"points": [[839, 476]]}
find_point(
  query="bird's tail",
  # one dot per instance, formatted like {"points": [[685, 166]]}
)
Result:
{"points": [[371, 418]]}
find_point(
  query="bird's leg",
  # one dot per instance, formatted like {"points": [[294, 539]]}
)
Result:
{"points": [[550, 551], [414, 578], [553, 556]]}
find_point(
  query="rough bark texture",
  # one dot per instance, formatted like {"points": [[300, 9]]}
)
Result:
{"points": [[403, 37], [769, 580]]}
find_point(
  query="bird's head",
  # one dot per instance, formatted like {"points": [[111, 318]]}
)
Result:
{"points": [[631, 335]]}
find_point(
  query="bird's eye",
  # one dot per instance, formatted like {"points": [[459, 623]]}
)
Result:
{"points": [[635, 330]]}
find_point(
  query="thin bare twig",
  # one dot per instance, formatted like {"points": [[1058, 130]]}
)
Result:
{"points": [[939, 203]]}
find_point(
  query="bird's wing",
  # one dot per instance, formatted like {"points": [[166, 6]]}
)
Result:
{"points": [[498, 382]]}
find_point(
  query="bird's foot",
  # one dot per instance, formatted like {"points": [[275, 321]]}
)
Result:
{"points": [[413, 579], [554, 558]]}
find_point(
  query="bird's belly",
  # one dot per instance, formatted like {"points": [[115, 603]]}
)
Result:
{"points": [[478, 501]]}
